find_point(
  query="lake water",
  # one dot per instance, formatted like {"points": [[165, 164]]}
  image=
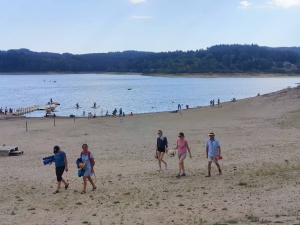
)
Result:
{"points": [[147, 94]]}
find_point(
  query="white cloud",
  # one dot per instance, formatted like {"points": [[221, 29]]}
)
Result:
{"points": [[141, 17], [284, 3], [136, 1], [244, 4]]}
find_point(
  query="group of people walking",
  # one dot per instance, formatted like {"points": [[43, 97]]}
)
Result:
{"points": [[213, 152], [61, 165]]}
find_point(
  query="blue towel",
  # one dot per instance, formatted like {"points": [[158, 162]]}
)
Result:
{"points": [[48, 161]]}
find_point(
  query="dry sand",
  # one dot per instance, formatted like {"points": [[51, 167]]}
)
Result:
{"points": [[259, 137]]}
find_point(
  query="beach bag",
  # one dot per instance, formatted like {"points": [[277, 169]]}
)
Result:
{"points": [[80, 173]]}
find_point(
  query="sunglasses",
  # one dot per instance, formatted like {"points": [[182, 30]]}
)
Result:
{"points": [[158, 133], [179, 136]]}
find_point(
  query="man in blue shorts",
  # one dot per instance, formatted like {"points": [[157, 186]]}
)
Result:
{"points": [[213, 149]]}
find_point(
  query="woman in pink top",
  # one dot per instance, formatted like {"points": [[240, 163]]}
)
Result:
{"points": [[182, 146]]}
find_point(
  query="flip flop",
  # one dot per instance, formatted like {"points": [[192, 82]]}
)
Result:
{"points": [[94, 188], [83, 192], [55, 192], [66, 187]]}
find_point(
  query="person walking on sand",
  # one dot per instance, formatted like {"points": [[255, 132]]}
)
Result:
{"points": [[182, 146], [87, 158], [213, 149], [161, 148], [61, 165]]}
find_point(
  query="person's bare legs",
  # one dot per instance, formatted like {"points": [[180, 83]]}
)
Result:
{"points": [[84, 185], [92, 182], [160, 158], [209, 169], [181, 165], [219, 168], [58, 185]]}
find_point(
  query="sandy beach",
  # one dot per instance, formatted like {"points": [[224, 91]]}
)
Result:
{"points": [[260, 183]]}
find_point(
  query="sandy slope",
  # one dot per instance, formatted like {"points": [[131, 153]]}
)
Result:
{"points": [[259, 137]]}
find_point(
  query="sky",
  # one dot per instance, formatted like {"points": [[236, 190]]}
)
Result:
{"points": [[100, 26]]}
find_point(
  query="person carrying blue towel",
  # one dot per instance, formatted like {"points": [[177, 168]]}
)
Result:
{"points": [[61, 165]]}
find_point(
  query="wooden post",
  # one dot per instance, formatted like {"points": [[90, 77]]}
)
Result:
{"points": [[26, 126], [54, 120], [74, 119]]}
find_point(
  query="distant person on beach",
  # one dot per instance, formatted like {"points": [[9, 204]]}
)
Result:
{"points": [[179, 106], [213, 149], [120, 112], [77, 105], [123, 113], [95, 104], [218, 102], [161, 148], [87, 158], [106, 114], [51, 100], [213, 103], [182, 146], [1, 110], [131, 114], [61, 165], [114, 112]]}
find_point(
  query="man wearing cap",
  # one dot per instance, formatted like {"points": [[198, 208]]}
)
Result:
{"points": [[213, 152]]}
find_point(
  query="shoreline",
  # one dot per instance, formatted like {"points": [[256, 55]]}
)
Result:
{"points": [[192, 75], [11, 116]]}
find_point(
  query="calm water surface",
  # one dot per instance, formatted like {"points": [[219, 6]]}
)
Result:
{"points": [[147, 94]]}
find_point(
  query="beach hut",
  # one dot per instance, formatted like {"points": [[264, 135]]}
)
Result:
{"points": [[10, 150]]}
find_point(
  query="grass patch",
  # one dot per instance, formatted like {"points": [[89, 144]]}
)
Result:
{"points": [[253, 218], [78, 203], [232, 222], [116, 202], [241, 183]]}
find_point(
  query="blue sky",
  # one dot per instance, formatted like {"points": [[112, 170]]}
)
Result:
{"points": [[93, 26]]}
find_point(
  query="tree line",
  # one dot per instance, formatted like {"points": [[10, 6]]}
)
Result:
{"points": [[215, 59]]}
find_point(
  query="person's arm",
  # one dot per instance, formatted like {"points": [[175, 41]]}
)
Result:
{"points": [[188, 148], [176, 145], [166, 143], [219, 149], [206, 151], [92, 164], [66, 163]]}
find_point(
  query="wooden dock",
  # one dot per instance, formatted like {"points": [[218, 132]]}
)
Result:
{"points": [[22, 111]]}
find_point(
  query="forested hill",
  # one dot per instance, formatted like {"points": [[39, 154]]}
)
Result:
{"points": [[216, 59]]}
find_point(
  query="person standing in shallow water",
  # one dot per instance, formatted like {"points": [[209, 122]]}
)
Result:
{"points": [[213, 149], [182, 146], [61, 165], [161, 148]]}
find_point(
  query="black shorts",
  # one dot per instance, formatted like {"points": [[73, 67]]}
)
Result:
{"points": [[59, 172], [161, 149]]}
